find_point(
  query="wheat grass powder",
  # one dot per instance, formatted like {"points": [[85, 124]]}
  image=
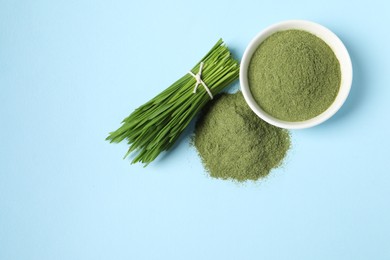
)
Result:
{"points": [[234, 143], [294, 75]]}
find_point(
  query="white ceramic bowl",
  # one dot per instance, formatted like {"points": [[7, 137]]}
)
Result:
{"points": [[334, 43]]}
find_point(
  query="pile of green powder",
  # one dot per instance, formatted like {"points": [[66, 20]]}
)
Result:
{"points": [[294, 75], [234, 143]]}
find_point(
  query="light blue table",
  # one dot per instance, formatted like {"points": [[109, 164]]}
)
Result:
{"points": [[71, 70]]}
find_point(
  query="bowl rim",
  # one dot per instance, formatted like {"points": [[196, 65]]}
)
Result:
{"points": [[331, 40]]}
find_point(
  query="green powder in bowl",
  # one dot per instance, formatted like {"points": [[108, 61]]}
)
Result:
{"points": [[295, 74]]}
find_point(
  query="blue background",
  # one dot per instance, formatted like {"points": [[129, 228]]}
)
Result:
{"points": [[70, 71]]}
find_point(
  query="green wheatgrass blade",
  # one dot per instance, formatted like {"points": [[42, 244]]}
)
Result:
{"points": [[155, 126]]}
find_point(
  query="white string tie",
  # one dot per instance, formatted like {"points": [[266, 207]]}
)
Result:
{"points": [[199, 81]]}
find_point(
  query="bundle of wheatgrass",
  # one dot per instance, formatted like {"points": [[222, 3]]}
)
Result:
{"points": [[155, 126]]}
